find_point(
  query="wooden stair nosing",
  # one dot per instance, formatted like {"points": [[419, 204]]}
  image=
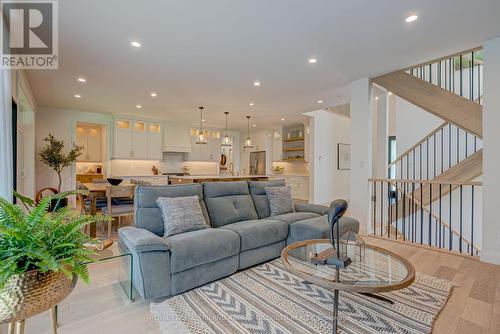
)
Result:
{"points": [[440, 102]]}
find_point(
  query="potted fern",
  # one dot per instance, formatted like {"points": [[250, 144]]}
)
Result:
{"points": [[42, 254], [54, 157]]}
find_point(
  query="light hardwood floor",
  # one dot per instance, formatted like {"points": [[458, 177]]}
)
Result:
{"points": [[102, 307]]}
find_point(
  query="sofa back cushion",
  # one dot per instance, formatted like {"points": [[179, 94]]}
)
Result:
{"points": [[258, 192], [228, 202], [147, 213]]}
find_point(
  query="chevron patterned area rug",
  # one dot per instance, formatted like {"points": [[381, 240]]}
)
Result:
{"points": [[269, 299]]}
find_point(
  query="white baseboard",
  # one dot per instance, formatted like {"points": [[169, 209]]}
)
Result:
{"points": [[490, 257]]}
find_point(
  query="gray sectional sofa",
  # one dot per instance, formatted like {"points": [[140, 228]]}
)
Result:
{"points": [[242, 234]]}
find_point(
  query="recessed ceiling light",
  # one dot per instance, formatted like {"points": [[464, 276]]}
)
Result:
{"points": [[256, 83], [78, 96], [251, 104], [154, 94], [320, 101], [390, 93], [203, 120], [282, 119], [254, 125], [135, 44], [81, 79], [312, 60], [138, 106], [411, 18], [376, 97]]}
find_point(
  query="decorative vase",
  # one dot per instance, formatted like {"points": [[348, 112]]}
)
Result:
{"points": [[33, 292]]}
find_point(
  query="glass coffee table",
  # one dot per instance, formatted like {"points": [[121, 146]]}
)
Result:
{"points": [[379, 271]]}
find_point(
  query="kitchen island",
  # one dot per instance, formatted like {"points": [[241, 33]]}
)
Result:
{"points": [[215, 178]]}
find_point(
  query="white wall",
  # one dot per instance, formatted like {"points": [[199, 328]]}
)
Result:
{"points": [[361, 147], [327, 182], [491, 156]]}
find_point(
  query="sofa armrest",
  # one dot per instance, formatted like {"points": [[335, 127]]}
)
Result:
{"points": [[314, 208], [141, 240]]}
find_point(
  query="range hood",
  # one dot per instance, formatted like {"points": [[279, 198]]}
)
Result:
{"points": [[176, 138]]}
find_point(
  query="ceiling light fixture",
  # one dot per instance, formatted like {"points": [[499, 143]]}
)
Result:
{"points": [[226, 141], [390, 93], [256, 83], [312, 60], [376, 97], [138, 106], [411, 18], [254, 125], [251, 104], [201, 139], [82, 79], [282, 119], [320, 101], [248, 141], [78, 96], [154, 94], [135, 44]]}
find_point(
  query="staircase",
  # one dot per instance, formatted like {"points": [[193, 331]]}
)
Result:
{"points": [[443, 163]]}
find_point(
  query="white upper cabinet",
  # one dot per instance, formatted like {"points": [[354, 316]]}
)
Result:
{"points": [[89, 137], [138, 140], [176, 138], [155, 151], [277, 145]]}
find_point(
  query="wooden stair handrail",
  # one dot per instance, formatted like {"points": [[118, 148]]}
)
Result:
{"points": [[457, 183], [421, 141]]}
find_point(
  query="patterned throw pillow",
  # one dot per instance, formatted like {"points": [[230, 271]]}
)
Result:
{"points": [[280, 200], [181, 214]]}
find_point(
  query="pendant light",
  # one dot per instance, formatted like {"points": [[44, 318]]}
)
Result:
{"points": [[248, 141], [226, 141], [201, 139]]}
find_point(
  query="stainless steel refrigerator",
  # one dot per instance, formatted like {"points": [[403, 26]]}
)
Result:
{"points": [[258, 163]]}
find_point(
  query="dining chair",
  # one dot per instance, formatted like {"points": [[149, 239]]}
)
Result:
{"points": [[118, 211]]}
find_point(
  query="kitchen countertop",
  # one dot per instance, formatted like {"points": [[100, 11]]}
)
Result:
{"points": [[218, 176]]}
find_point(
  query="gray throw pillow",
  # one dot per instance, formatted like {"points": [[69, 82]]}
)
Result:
{"points": [[280, 200], [181, 214]]}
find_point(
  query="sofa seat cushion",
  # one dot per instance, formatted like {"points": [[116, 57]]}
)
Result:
{"points": [[191, 249], [293, 217], [318, 228], [258, 233]]}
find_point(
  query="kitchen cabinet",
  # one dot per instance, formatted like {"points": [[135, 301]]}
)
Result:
{"points": [[88, 178], [89, 137], [137, 140], [176, 138], [277, 145], [155, 142], [298, 184]]}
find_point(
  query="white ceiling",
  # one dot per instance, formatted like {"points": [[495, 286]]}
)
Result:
{"points": [[210, 52]]}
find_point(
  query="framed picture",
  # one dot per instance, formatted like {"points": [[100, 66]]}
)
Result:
{"points": [[343, 156]]}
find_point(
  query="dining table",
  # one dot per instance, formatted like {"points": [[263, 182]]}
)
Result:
{"points": [[98, 190]]}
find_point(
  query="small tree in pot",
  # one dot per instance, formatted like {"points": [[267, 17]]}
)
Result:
{"points": [[53, 156]]}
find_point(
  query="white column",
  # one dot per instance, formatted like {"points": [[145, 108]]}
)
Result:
{"points": [[361, 150], [490, 251], [380, 135]]}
